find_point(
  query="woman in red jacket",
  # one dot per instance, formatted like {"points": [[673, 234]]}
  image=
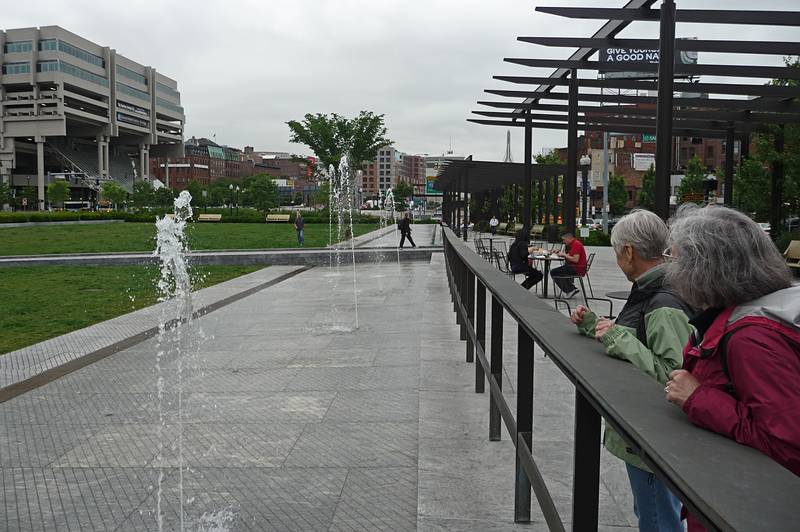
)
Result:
{"points": [[741, 368]]}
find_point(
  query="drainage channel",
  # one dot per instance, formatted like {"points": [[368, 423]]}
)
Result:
{"points": [[49, 375]]}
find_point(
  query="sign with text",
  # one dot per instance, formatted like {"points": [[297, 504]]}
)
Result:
{"points": [[631, 57], [648, 138], [643, 161], [430, 182]]}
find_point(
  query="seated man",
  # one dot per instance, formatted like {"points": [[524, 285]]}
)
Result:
{"points": [[518, 260], [574, 256]]}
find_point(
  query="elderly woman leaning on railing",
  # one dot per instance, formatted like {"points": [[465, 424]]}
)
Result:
{"points": [[650, 333], [741, 375]]}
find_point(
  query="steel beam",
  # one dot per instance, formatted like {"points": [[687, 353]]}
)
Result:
{"points": [[666, 65], [702, 16], [695, 45], [572, 155], [527, 172]]}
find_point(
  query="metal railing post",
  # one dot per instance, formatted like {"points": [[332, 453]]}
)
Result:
{"points": [[470, 304], [522, 485], [480, 332], [586, 476], [496, 367]]}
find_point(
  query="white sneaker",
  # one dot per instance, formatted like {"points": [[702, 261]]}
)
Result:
{"points": [[570, 295]]}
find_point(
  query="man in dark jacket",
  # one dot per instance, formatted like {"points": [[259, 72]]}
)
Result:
{"points": [[518, 260], [405, 230]]}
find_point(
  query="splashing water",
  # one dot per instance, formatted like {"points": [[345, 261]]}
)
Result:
{"points": [[390, 207]]}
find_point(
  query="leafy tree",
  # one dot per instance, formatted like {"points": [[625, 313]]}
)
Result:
{"points": [[195, 188], [694, 179], [5, 193], [617, 195], [30, 194], [113, 192], [403, 190], [143, 194], [297, 198], [219, 193], [549, 158], [751, 189], [323, 195], [57, 192], [332, 137], [262, 192], [165, 197], [647, 194]]}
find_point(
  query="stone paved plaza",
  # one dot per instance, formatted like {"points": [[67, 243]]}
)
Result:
{"points": [[291, 418]]}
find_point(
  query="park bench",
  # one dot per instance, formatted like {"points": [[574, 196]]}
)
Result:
{"points": [[792, 255], [277, 218], [501, 228], [209, 218], [537, 231]]}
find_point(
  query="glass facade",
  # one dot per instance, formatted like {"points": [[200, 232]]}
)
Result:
{"points": [[48, 44], [16, 68], [13, 47], [169, 105], [130, 91], [160, 87], [130, 74], [78, 72], [47, 66], [81, 54]]}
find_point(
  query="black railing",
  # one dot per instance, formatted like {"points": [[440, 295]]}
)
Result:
{"points": [[725, 485]]}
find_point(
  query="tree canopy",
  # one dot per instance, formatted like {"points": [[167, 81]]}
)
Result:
{"points": [[262, 192], [647, 194], [694, 179], [113, 192], [333, 136], [143, 194], [57, 192], [617, 195]]}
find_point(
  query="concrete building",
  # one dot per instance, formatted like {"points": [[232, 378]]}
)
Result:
{"points": [[81, 111]]}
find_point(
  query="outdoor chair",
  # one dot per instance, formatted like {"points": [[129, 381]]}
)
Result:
{"points": [[580, 278]]}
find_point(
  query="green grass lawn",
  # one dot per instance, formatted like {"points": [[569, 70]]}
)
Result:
{"points": [[101, 238], [41, 302]]}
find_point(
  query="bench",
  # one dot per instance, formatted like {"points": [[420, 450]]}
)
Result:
{"points": [[792, 255], [512, 229], [209, 218], [537, 231], [277, 218], [501, 228]]}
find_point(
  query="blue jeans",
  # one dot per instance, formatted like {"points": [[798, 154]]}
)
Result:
{"points": [[656, 507], [300, 237]]}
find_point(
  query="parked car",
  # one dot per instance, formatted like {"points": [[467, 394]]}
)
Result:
{"points": [[765, 226], [793, 224]]}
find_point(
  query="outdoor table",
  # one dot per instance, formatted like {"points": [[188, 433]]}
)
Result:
{"points": [[623, 295], [547, 259]]}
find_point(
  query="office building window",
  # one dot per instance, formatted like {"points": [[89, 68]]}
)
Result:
{"points": [[169, 105], [78, 72], [81, 54], [130, 74], [47, 66], [48, 44], [13, 47], [16, 68], [166, 89], [130, 91]]}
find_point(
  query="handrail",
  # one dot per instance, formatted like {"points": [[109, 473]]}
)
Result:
{"points": [[725, 485]]}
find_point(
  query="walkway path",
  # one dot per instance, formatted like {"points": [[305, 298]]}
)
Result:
{"points": [[293, 419]]}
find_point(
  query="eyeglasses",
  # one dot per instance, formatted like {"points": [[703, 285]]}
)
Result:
{"points": [[667, 254]]}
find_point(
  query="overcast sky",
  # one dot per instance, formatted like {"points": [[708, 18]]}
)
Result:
{"points": [[245, 67]]}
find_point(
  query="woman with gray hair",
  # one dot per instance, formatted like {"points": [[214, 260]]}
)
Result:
{"points": [[650, 333], [741, 367]]}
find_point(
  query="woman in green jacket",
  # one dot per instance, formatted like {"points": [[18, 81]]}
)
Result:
{"points": [[650, 333]]}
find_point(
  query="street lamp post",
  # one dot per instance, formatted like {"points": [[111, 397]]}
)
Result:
{"points": [[237, 200], [586, 162], [205, 201], [230, 200]]}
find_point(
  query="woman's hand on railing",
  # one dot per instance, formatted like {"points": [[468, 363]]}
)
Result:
{"points": [[577, 315], [680, 386]]}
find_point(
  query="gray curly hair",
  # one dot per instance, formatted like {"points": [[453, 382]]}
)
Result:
{"points": [[722, 258], [644, 231]]}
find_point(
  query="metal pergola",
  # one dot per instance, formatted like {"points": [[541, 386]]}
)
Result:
{"points": [[664, 115], [461, 178]]}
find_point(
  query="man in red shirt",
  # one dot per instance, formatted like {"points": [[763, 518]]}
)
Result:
{"points": [[574, 256]]}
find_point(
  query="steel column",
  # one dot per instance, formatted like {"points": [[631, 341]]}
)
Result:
{"points": [[496, 367], [586, 474], [728, 192], [776, 212], [744, 148], [666, 69], [469, 303], [480, 333], [522, 486], [527, 171], [465, 183], [568, 200], [547, 209]]}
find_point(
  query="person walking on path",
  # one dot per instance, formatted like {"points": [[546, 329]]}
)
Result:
{"points": [[649, 333], [405, 230], [574, 256], [493, 223], [299, 226]]}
